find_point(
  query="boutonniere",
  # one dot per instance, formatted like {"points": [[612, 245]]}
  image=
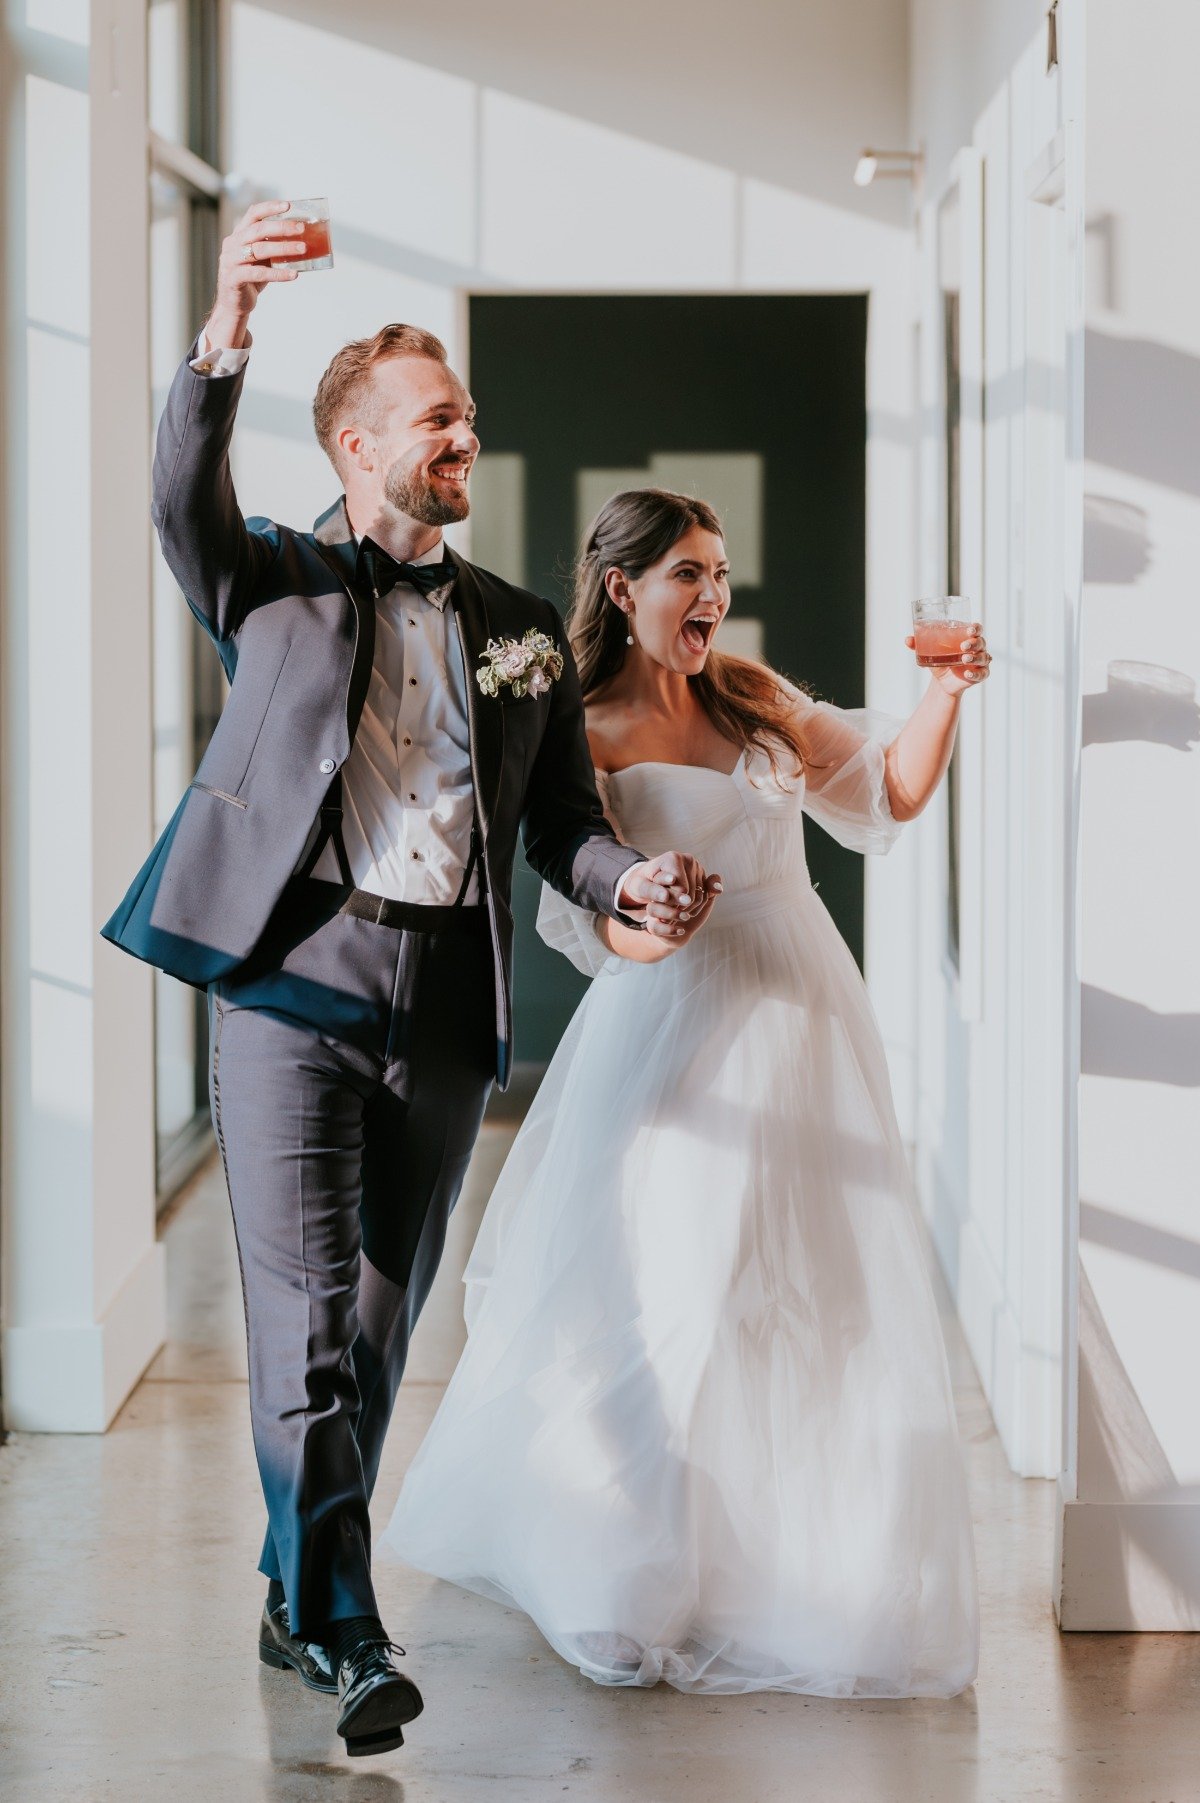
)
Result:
{"points": [[526, 666]]}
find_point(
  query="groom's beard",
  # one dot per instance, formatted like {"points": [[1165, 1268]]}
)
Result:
{"points": [[408, 487]]}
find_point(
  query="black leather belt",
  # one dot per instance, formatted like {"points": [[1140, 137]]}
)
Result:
{"points": [[382, 911]]}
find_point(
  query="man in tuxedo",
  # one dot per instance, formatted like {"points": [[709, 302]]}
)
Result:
{"points": [[338, 878]]}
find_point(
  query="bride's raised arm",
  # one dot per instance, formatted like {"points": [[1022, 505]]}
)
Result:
{"points": [[846, 788], [865, 773]]}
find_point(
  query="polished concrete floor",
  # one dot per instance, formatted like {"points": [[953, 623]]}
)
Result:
{"points": [[129, 1603]]}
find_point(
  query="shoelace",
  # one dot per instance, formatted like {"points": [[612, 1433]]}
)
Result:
{"points": [[373, 1645]]}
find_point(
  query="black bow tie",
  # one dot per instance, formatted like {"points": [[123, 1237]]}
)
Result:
{"points": [[385, 572]]}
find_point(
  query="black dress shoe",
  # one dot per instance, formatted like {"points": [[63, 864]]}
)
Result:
{"points": [[279, 1647], [376, 1699]]}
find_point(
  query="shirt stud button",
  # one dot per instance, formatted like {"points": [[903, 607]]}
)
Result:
{"points": [[411, 795], [408, 741], [412, 682], [327, 766]]}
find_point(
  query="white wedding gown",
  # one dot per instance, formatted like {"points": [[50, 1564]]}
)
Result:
{"points": [[702, 1430]]}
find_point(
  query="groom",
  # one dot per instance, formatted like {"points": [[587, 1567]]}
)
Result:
{"points": [[338, 878]]}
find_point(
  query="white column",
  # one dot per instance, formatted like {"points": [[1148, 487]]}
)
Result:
{"points": [[1129, 1554], [82, 1272]]}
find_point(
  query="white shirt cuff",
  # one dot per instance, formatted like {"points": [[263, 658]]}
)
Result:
{"points": [[635, 914], [212, 362]]}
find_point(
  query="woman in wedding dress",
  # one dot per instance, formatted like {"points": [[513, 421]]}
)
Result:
{"points": [[702, 1430]]}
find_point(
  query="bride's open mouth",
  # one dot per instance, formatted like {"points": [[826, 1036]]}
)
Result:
{"points": [[697, 632]]}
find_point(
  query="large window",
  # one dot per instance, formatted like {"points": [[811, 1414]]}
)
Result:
{"points": [[950, 284], [185, 189]]}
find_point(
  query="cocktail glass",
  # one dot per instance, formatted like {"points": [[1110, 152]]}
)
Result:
{"points": [[318, 250], [940, 624]]}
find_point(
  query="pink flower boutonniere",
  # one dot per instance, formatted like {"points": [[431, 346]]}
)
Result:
{"points": [[527, 666]]}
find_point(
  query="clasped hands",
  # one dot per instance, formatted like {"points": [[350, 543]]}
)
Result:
{"points": [[671, 895]]}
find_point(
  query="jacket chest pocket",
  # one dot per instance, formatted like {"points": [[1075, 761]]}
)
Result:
{"points": [[228, 759]]}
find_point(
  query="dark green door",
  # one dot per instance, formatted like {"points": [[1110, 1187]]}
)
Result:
{"points": [[756, 403]]}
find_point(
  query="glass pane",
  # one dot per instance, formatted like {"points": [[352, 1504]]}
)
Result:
{"points": [[950, 282], [167, 68], [174, 1005], [188, 687]]}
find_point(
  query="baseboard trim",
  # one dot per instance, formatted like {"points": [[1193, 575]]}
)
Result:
{"points": [[1128, 1567], [73, 1379]]}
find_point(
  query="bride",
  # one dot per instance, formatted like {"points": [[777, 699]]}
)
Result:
{"points": [[702, 1430]]}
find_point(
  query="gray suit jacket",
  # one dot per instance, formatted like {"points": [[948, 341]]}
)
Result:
{"points": [[296, 638]]}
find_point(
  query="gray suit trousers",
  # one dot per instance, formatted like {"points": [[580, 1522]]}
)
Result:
{"points": [[350, 1067]]}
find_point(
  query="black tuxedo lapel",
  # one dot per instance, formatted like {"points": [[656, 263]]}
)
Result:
{"points": [[485, 716], [336, 547]]}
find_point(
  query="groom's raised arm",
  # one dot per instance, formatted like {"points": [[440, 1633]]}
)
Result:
{"points": [[214, 556]]}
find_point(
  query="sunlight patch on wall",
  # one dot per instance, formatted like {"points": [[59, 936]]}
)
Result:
{"points": [[742, 636], [58, 528], [730, 481], [498, 514], [166, 69], [57, 158], [564, 201], [66, 19], [386, 139], [312, 318], [792, 240], [594, 487]]}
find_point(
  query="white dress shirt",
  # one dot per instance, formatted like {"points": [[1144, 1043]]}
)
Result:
{"points": [[407, 795]]}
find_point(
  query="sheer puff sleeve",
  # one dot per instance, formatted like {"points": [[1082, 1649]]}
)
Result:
{"points": [[572, 930], [845, 790]]}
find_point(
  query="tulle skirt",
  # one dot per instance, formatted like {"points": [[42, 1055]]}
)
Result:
{"points": [[702, 1430]]}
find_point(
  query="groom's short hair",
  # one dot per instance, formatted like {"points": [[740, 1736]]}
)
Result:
{"points": [[345, 387]]}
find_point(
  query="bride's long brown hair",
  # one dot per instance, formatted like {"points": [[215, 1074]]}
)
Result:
{"points": [[635, 530]]}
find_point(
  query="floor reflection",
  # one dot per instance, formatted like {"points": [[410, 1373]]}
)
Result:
{"points": [[129, 1665]]}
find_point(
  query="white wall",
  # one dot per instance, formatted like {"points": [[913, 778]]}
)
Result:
{"points": [[961, 55], [83, 1282], [784, 95], [1131, 1527], [990, 1146], [590, 150], [1084, 527]]}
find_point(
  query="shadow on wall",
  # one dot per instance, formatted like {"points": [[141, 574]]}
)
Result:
{"points": [[1148, 702], [1122, 1038], [1138, 1239], [1116, 540], [1143, 401]]}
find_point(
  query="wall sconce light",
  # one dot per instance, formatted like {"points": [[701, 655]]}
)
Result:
{"points": [[882, 165]]}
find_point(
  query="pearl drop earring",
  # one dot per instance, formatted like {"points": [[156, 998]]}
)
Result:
{"points": [[629, 634]]}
